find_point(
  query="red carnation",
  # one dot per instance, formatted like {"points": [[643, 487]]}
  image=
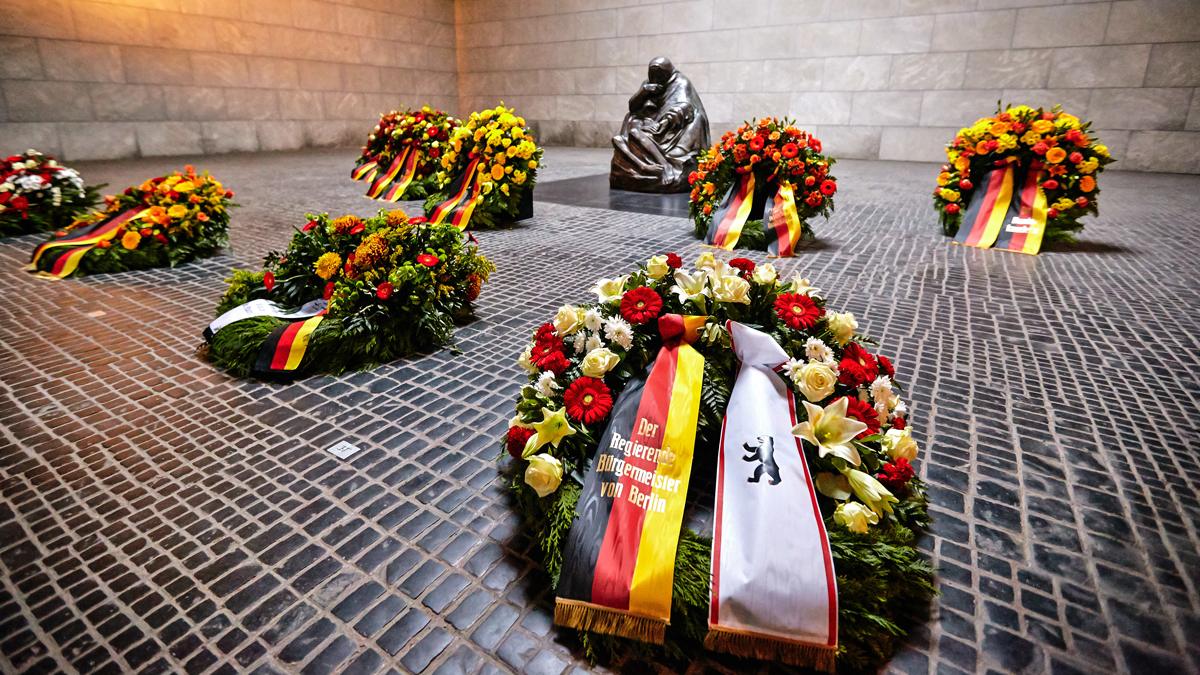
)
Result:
{"points": [[851, 373], [828, 187], [1040, 148], [855, 353], [588, 400], [428, 260], [515, 439], [269, 281], [863, 412], [899, 423], [814, 144], [674, 261], [745, 265], [641, 305], [896, 474], [885, 364], [790, 150], [798, 310], [1076, 157], [384, 290], [328, 293], [555, 362]]}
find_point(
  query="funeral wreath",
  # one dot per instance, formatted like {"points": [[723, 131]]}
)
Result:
{"points": [[37, 194], [488, 173], [757, 187], [348, 293], [163, 222], [582, 470], [1030, 163], [402, 157]]}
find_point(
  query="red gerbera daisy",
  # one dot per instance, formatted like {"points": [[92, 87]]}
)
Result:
{"points": [[641, 305], [588, 400], [896, 474], [428, 260], [745, 265], [757, 143], [863, 412], [797, 310], [828, 187], [855, 352], [514, 440], [790, 150]]}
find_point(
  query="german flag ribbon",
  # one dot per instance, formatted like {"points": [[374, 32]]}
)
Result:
{"points": [[405, 178], [1023, 231], [365, 171], [465, 194], [989, 210], [284, 349], [783, 224], [619, 562], [774, 594], [262, 307], [77, 243], [731, 216], [383, 180]]}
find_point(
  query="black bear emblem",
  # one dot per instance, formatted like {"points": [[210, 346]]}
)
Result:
{"points": [[764, 454]]}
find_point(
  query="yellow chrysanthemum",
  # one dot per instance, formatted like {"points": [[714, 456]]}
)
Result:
{"points": [[177, 211], [328, 265], [949, 195], [1064, 204], [371, 251], [1042, 126]]}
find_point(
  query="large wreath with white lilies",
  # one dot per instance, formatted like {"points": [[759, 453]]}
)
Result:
{"points": [[873, 508]]}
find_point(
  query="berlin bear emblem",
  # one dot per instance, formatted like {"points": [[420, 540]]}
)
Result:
{"points": [[764, 454]]}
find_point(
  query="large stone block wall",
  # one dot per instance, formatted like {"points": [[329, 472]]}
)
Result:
{"points": [[122, 78], [890, 79]]}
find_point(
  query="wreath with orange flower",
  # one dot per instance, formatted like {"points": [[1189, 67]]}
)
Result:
{"points": [[775, 150], [1071, 156]]}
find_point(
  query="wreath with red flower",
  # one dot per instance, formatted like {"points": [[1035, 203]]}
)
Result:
{"points": [[394, 286], [426, 130], [37, 193], [775, 150], [580, 361], [1071, 157]]}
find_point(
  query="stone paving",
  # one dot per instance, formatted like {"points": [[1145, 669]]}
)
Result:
{"points": [[161, 516]]}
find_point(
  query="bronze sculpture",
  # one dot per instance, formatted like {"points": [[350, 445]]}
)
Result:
{"points": [[664, 131]]}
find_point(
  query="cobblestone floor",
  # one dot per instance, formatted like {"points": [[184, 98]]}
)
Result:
{"points": [[158, 515]]}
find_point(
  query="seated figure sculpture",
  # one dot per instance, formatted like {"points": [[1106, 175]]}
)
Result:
{"points": [[664, 131]]}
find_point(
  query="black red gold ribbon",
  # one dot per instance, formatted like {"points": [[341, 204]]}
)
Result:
{"points": [[1023, 232], [365, 171], [988, 210], [783, 222], [284, 349], [731, 216], [465, 195], [392, 183], [78, 243], [619, 561]]}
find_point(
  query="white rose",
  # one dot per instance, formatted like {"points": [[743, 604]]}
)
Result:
{"points": [[854, 517], [816, 381], [544, 474], [657, 267], [567, 320], [607, 290], [842, 325], [900, 443], [599, 361], [764, 274], [731, 289]]}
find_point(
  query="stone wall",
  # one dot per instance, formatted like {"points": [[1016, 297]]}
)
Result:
{"points": [[120, 78], [890, 79]]}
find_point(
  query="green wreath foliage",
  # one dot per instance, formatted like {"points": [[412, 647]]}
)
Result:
{"points": [[395, 286], [884, 583]]}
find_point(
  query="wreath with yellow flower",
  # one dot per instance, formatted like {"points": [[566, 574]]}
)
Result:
{"points": [[1070, 156], [393, 285], [776, 152], [181, 216], [873, 503], [426, 131], [508, 157]]}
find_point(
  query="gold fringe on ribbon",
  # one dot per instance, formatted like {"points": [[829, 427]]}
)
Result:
{"points": [[597, 619], [757, 646]]}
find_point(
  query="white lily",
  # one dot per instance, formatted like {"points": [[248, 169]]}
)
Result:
{"points": [[691, 286], [830, 430]]}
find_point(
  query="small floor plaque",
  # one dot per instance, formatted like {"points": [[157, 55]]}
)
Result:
{"points": [[343, 449]]}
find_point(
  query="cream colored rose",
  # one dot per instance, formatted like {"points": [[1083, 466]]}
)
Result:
{"points": [[608, 290], [842, 325], [706, 261], [816, 381], [567, 320], [544, 474], [525, 361], [657, 267], [731, 289], [900, 443], [764, 274], [854, 517], [599, 361]]}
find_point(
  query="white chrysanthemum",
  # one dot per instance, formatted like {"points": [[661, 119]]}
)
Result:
{"points": [[593, 342], [546, 386], [579, 342], [792, 368], [881, 392], [900, 408], [30, 183], [618, 330], [818, 351], [593, 320]]}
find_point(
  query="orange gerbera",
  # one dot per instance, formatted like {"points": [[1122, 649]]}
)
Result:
{"points": [[1087, 184], [1055, 155]]}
